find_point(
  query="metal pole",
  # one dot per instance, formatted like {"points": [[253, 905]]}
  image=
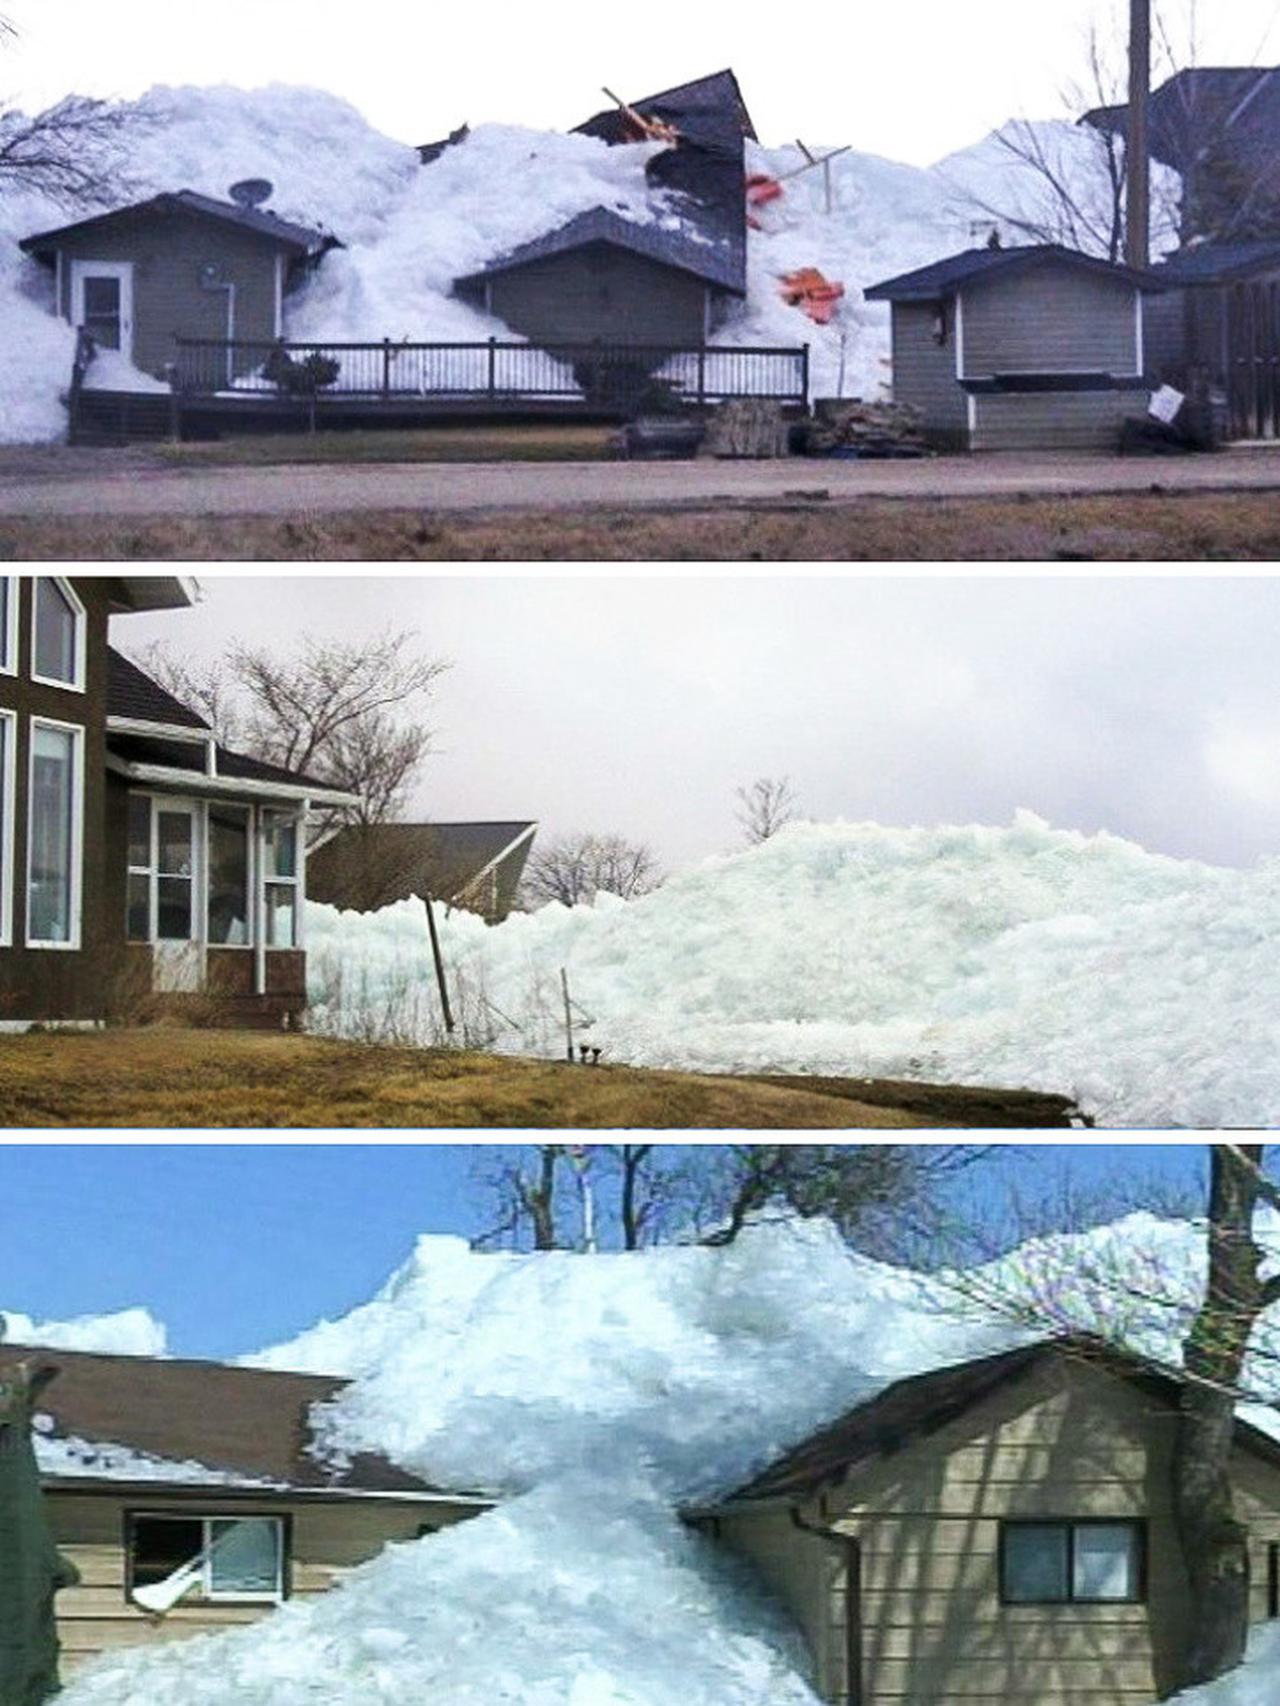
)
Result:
{"points": [[1138, 146], [568, 1016], [436, 955]]}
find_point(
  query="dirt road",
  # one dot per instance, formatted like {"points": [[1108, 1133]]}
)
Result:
{"points": [[96, 487]]}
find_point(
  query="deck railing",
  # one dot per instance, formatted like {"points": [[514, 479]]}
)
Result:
{"points": [[600, 375]]}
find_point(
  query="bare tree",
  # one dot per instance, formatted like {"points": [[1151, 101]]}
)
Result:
{"points": [[764, 806], [573, 869], [73, 153], [525, 1201]]}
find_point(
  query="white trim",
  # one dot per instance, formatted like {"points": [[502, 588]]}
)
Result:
{"points": [[8, 822], [76, 874], [81, 642], [198, 782], [525, 834], [297, 822], [165, 731], [300, 920], [9, 638], [279, 294], [959, 335], [123, 270], [258, 901], [209, 1595]]}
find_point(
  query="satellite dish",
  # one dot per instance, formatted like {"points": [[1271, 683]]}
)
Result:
{"points": [[251, 192]]}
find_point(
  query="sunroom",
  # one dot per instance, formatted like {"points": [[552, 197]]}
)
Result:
{"points": [[207, 849]]}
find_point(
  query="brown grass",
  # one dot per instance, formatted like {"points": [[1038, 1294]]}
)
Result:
{"points": [[181, 1078], [1184, 527]]}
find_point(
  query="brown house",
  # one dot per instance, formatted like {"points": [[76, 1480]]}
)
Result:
{"points": [[477, 866], [137, 857], [187, 1497], [998, 1531]]}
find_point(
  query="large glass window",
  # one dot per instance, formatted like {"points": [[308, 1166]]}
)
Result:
{"points": [[175, 1559], [53, 848], [140, 869], [229, 876], [57, 647], [8, 807], [1056, 1563], [175, 873], [280, 878]]}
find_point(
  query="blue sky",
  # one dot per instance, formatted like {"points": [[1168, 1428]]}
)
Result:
{"points": [[236, 1246]]}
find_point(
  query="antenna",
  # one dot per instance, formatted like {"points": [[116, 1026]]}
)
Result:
{"points": [[251, 192]]}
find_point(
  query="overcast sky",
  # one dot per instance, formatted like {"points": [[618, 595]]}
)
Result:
{"points": [[913, 79], [639, 702]]}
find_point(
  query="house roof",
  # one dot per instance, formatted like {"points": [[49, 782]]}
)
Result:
{"points": [[691, 107], [680, 244], [913, 1408], [392, 861], [1215, 263], [132, 693], [1198, 103], [250, 1423], [299, 239], [943, 278], [152, 592]]}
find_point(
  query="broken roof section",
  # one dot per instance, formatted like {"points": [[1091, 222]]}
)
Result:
{"points": [[298, 240], [702, 110]]}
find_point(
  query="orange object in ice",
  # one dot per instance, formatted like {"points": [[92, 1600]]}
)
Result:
{"points": [[761, 188], [808, 289]]}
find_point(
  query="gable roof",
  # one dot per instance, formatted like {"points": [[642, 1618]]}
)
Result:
{"points": [[374, 865], [682, 246], [911, 1409], [132, 693], [252, 1424], [298, 239], [942, 278], [1215, 263]]}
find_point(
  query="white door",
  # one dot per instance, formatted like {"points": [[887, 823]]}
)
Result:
{"points": [[179, 950], [102, 303]]}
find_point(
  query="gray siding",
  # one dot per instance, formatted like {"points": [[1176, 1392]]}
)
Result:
{"points": [[1055, 420], [924, 371], [1165, 336], [1049, 319], [601, 292], [168, 252]]}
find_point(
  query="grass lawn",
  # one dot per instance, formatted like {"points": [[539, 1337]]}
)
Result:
{"points": [[1132, 527], [171, 1077]]}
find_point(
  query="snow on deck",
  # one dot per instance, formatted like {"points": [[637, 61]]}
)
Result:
{"points": [[1025, 957]]}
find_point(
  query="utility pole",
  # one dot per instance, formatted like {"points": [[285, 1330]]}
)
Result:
{"points": [[1138, 144]]}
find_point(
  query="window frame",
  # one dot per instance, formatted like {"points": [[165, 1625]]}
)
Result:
{"points": [[9, 628], [74, 940], [1138, 1526], [250, 943], [295, 820], [80, 644], [8, 821], [201, 1514]]}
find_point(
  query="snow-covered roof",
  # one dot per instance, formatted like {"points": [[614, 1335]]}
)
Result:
{"points": [[303, 239], [677, 245], [944, 277]]}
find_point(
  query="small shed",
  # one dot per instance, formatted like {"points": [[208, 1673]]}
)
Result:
{"points": [[1215, 327], [1029, 348], [177, 265]]}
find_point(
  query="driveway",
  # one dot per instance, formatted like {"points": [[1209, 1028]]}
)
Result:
{"points": [[328, 488]]}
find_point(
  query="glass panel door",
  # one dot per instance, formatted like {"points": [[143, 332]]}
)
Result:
{"points": [[103, 310]]}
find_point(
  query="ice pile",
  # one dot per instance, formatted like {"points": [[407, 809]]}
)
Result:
{"points": [[1146, 987], [124, 1332], [409, 230], [1254, 1684]]}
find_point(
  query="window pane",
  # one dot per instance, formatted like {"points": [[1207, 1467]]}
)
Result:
{"points": [[173, 909], [1035, 1562], [6, 593], [55, 632], [173, 842], [281, 922], [140, 832], [162, 1545], [1106, 1561], [229, 875], [52, 803], [245, 1555], [138, 908], [102, 309], [281, 852], [6, 805]]}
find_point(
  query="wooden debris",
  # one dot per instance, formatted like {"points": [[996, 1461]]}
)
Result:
{"points": [[748, 426], [850, 427], [808, 289]]}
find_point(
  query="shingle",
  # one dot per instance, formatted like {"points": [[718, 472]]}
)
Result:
{"points": [[685, 247], [941, 278], [132, 693], [303, 239]]}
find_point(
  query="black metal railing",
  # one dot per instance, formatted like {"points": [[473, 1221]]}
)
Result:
{"points": [[596, 374]]}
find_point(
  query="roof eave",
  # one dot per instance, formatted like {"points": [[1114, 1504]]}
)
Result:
{"points": [[199, 782]]}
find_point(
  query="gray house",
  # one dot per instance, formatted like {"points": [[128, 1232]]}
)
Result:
{"points": [[1005, 349], [180, 264]]}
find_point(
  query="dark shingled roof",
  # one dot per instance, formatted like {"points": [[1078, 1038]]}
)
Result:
{"points": [[675, 246], [246, 1421], [372, 866], [942, 278], [132, 693], [1214, 263], [913, 1408], [301, 239], [694, 108], [1199, 104]]}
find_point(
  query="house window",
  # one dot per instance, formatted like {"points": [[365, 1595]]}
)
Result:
{"points": [[8, 810], [8, 624], [1064, 1563], [280, 874], [229, 877], [54, 835], [141, 869], [57, 634], [174, 1559]]}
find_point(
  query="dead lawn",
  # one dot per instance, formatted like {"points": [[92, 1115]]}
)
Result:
{"points": [[1170, 527], [170, 1077]]}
